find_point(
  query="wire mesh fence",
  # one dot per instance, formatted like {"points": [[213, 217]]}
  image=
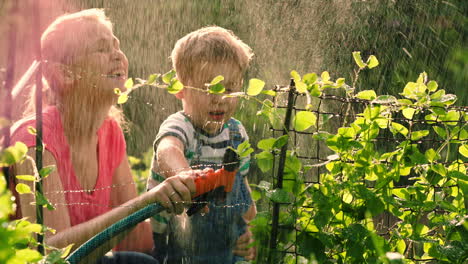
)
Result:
{"points": [[426, 127]]}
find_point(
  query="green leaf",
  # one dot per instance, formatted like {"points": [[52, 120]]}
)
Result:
{"points": [[217, 89], [256, 195], [440, 131], [175, 87], [152, 78], [301, 87], [269, 92], [32, 130], [463, 149], [129, 83], [422, 78], [66, 251], [26, 177], [281, 141], [266, 144], [295, 76], [451, 118], [279, 196], [448, 99], [315, 90], [310, 78], [123, 98], [325, 76], [217, 80], [367, 95], [42, 200], [22, 188], [408, 112], [244, 149], [255, 87], [458, 175], [167, 77], [385, 99], [340, 82], [304, 120], [431, 155], [13, 154], [264, 161], [414, 90], [46, 171], [28, 255], [372, 62], [416, 135], [358, 59], [117, 91], [432, 86], [264, 185], [398, 128]]}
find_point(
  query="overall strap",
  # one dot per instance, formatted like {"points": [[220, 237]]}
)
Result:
{"points": [[235, 136]]}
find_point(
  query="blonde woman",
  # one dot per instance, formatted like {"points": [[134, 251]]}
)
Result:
{"points": [[92, 186]]}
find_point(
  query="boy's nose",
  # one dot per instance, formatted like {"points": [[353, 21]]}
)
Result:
{"points": [[216, 98]]}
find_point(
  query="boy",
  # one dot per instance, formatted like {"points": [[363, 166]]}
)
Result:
{"points": [[198, 137]]}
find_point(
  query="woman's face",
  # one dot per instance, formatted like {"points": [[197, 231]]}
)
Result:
{"points": [[99, 66]]}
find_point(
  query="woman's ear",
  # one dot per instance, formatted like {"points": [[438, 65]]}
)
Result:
{"points": [[60, 74]]}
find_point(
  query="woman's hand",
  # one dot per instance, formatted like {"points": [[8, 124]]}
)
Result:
{"points": [[242, 246], [176, 191]]}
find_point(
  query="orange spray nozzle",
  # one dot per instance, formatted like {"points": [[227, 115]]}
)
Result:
{"points": [[222, 178]]}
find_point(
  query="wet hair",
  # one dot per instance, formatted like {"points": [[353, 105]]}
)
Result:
{"points": [[58, 41], [57, 45], [211, 45]]}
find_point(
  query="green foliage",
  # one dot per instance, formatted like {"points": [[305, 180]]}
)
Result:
{"points": [[17, 237], [336, 218]]}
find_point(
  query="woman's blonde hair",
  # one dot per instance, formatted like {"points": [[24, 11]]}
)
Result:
{"points": [[57, 45], [208, 45]]}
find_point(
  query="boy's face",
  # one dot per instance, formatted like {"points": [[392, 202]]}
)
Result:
{"points": [[209, 111]]}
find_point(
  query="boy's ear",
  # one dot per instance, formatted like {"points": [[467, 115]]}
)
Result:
{"points": [[180, 95]]}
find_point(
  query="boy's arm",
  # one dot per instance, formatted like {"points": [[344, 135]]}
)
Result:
{"points": [[170, 157]]}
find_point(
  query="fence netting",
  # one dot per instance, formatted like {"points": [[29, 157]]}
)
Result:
{"points": [[426, 127]]}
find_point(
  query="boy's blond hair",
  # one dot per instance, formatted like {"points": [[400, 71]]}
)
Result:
{"points": [[208, 46]]}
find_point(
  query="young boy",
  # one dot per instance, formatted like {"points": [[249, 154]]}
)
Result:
{"points": [[195, 140]]}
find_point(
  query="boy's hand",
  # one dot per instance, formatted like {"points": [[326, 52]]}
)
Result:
{"points": [[242, 246]]}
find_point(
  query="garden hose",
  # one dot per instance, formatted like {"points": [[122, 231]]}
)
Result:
{"points": [[222, 178]]}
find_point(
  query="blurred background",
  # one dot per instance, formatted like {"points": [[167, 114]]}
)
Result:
{"points": [[407, 36]]}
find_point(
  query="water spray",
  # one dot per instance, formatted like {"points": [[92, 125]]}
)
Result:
{"points": [[212, 185]]}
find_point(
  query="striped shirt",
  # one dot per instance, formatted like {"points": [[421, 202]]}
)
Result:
{"points": [[200, 148]]}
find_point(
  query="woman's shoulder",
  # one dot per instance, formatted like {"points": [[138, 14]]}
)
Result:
{"points": [[24, 129]]}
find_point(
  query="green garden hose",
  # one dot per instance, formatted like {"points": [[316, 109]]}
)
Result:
{"points": [[222, 178], [113, 230]]}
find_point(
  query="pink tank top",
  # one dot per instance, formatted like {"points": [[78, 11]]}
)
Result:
{"points": [[82, 206]]}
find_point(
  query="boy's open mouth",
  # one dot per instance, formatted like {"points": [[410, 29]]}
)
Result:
{"points": [[216, 115]]}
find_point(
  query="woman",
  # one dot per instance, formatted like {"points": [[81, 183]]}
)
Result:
{"points": [[92, 186]]}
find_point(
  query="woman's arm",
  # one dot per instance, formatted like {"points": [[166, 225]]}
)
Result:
{"points": [[139, 239], [59, 219]]}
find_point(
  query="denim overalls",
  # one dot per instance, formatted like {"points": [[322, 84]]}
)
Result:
{"points": [[208, 238]]}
